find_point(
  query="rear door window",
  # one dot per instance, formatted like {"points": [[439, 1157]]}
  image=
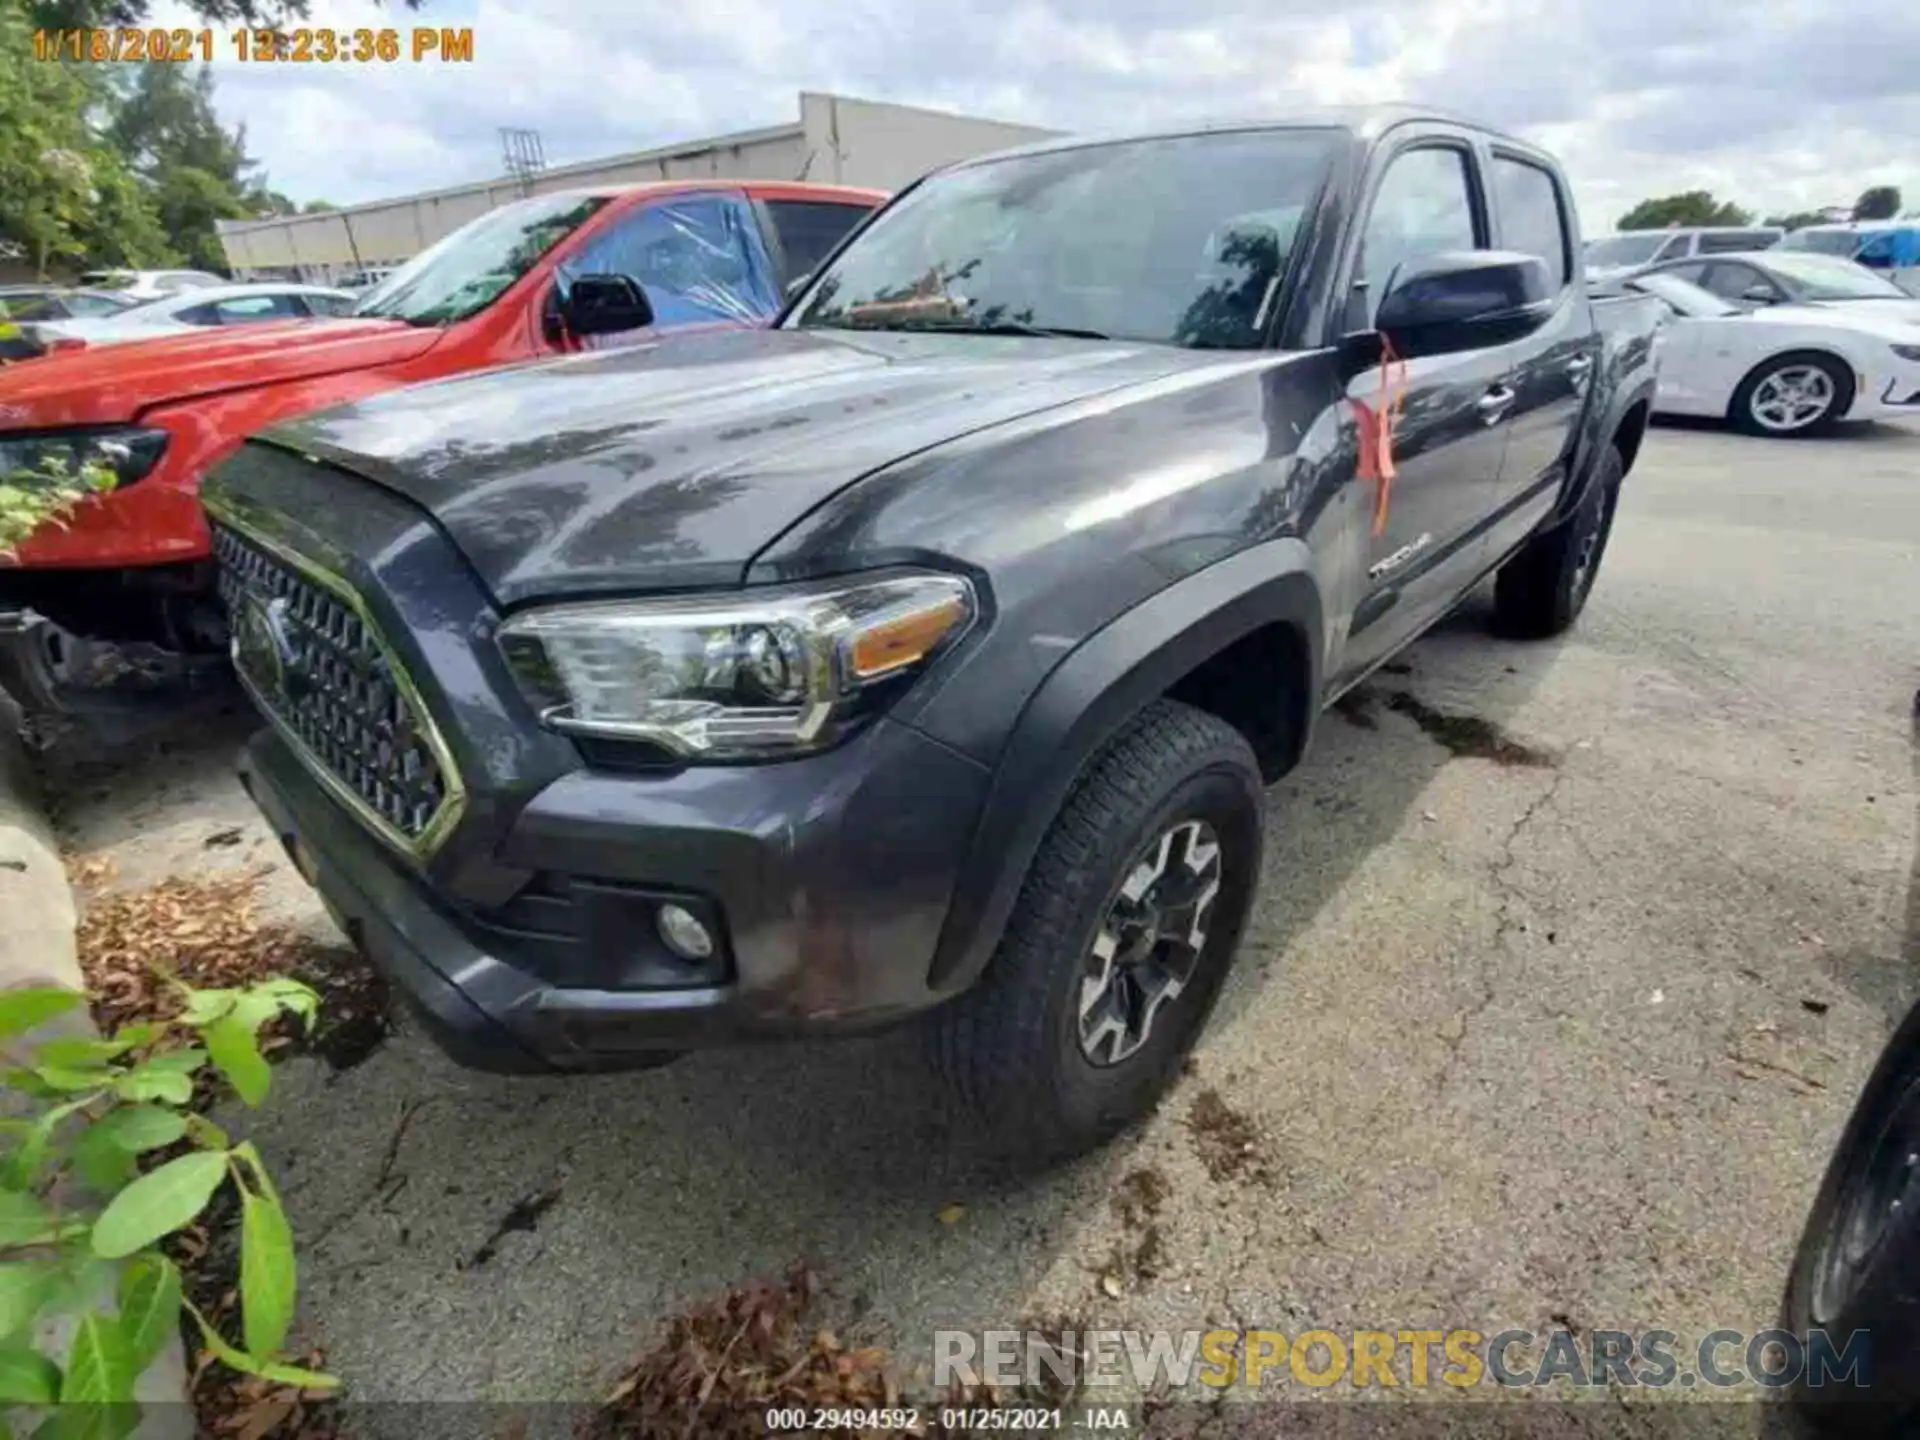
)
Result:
{"points": [[809, 229], [1532, 217]]}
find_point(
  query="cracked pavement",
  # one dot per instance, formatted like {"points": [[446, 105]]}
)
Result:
{"points": [[1508, 1041]]}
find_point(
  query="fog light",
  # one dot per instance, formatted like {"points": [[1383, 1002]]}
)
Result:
{"points": [[684, 934]]}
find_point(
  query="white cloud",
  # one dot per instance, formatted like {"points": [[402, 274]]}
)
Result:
{"points": [[1777, 104]]}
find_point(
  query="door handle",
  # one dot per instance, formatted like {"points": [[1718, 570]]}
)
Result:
{"points": [[1494, 404]]}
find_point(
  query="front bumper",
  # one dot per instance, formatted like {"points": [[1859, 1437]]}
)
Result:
{"points": [[829, 878]]}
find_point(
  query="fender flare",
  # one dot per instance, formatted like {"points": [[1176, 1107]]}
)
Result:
{"points": [[1087, 698], [1595, 441]]}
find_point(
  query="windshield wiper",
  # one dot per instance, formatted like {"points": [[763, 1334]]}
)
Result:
{"points": [[1009, 327]]}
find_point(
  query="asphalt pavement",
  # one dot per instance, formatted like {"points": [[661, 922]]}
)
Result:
{"points": [[1568, 961]]}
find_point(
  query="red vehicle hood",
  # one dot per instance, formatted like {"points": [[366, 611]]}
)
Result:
{"points": [[115, 383]]}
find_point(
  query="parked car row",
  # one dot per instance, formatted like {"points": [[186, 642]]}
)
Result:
{"points": [[1891, 247], [1782, 340]]}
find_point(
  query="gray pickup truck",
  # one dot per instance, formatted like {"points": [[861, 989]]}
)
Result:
{"points": [[928, 652]]}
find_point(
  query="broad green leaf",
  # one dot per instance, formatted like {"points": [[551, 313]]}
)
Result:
{"points": [[149, 1306], [167, 1077], [133, 1037], [140, 1128], [27, 1377], [23, 1288], [23, 1219], [232, 1047], [164, 1085], [100, 1369], [104, 1165], [73, 1052], [184, 1061], [206, 1006], [23, 1166], [236, 1359], [70, 1078], [158, 1203], [28, 1009], [267, 1280], [292, 996]]}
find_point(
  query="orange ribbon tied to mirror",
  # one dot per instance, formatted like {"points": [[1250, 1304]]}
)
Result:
{"points": [[1376, 431]]}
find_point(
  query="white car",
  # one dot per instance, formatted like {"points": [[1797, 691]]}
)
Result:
{"points": [[1796, 277], [1610, 257], [194, 309], [149, 284], [1782, 369]]}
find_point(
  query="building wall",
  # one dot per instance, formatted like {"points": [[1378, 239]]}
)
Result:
{"points": [[839, 140], [869, 142]]}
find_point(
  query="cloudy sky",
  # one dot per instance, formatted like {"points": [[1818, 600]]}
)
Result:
{"points": [[1779, 104]]}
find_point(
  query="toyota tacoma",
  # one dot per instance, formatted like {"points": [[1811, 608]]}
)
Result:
{"points": [[928, 653]]}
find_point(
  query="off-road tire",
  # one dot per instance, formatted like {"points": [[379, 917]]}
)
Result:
{"points": [[1543, 589], [1010, 1047]]}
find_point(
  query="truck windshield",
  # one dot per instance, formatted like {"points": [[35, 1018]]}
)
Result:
{"points": [[464, 273], [1182, 241]]}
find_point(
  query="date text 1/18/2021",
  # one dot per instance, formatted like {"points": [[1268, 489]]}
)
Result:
{"points": [[301, 46]]}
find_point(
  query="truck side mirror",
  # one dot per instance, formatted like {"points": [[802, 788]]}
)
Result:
{"points": [[605, 305], [1465, 300]]}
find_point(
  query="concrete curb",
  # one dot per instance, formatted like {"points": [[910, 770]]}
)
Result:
{"points": [[37, 948]]}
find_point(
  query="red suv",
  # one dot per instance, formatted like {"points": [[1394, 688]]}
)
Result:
{"points": [[130, 568]]}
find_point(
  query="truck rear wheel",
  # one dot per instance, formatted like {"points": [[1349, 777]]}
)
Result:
{"points": [[1543, 589], [1124, 930]]}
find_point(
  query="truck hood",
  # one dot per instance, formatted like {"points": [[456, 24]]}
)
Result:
{"points": [[674, 464], [116, 383]]}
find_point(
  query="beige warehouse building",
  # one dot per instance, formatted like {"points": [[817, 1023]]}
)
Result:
{"points": [[837, 140]]}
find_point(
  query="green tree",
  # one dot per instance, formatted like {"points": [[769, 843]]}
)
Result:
{"points": [[1691, 207], [65, 196], [163, 122], [318, 207], [1879, 202]]}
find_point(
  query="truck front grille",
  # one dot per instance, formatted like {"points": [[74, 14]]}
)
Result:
{"points": [[314, 664]]}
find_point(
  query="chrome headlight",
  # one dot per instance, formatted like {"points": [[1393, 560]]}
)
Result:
{"points": [[129, 451], [757, 673], [1907, 352]]}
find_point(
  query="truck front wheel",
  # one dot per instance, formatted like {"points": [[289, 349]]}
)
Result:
{"points": [[1124, 930], [1543, 588]]}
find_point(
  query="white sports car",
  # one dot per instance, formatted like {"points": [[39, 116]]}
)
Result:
{"points": [[1783, 369]]}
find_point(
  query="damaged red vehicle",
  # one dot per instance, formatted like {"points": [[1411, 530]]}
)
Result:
{"points": [[121, 595]]}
